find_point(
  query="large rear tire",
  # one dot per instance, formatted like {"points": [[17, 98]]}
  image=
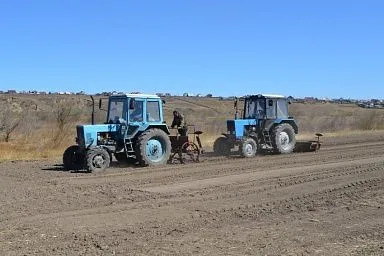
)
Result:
{"points": [[248, 148], [98, 159], [153, 148], [284, 139], [222, 147], [73, 159]]}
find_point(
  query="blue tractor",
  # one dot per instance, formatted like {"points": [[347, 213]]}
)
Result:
{"points": [[135, 131], [264, 126]]}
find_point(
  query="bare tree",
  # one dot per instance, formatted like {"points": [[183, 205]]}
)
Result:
{"points": [[65, 114], [9, 121]]}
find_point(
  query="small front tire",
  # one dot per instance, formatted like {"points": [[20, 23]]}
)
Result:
{"points": [[221, 147], [248, 148], [98, 159], [73, 159]]}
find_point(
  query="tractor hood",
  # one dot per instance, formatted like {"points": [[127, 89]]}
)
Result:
{"points": [[87, 134]]}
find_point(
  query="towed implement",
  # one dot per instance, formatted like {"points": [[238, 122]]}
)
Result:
{"points": [[185, 149], [264, 126]]}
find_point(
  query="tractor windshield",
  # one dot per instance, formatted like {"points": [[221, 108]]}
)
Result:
{"points": [[116, 111], [136, 114], [254, 108]]}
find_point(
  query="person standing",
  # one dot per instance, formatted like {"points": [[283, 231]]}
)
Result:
{"points": [[179, 123]]}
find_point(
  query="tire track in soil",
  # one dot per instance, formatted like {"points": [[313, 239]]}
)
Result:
{"points": [[248, 188], [220, 166], [138, 212], [235, 178], [215, 199]]}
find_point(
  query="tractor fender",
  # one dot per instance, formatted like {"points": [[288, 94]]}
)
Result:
{"points": [[110, 149], [161, 127], [292, 122], [254, 136]]}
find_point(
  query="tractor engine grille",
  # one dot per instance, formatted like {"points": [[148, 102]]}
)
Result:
{"points": [[231, 126], [80, 135]]}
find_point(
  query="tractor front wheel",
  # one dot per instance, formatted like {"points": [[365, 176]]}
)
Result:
{"points": [[98, 159], [153, 147], [222, 147], [284, 139], [248, 148], [73, 159]]}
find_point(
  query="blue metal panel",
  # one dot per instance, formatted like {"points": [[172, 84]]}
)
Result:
{"points": [[239, 126]]}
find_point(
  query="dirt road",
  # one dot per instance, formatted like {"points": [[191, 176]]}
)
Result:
{"points": [[325, 203]]}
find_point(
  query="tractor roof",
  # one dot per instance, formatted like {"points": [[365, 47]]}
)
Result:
{"points": [[274, 96], [138, 95]]}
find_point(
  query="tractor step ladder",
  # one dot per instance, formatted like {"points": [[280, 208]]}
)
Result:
{"points": [[129, 146], [267, 138]]}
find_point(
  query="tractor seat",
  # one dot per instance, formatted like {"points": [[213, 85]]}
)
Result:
{"points": [[319, 134], [198, 132]]}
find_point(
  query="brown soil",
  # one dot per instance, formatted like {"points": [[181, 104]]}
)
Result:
{"points": [[326, 203]]}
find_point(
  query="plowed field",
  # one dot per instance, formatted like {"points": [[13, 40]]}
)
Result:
{"points": [[326, 203]]}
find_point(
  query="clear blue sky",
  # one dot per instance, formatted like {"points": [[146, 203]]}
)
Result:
{"points": [[300, 48]]}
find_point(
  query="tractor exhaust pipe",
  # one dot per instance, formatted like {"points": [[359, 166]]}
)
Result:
{"points": [[93, 110], [236, 108]]}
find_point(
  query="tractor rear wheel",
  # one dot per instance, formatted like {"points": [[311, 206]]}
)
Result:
{"points": [[73, 159], [153, 147], [98, 159], [284, 139], [248, 147], [222, 147]]}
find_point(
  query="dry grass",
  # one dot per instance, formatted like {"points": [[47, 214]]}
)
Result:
{"points": [[12, 151], [43, 135]]}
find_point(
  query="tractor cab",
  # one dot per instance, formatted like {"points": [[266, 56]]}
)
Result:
{"points": [[134, 109], [264, 106], [134, 113]]}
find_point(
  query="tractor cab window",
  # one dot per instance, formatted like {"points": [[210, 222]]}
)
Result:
{"points": [[153, 111], [260, 108], [271, 110], [282, 108], [136, 114], [116, 111], [254, 108], [250, 109]]}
